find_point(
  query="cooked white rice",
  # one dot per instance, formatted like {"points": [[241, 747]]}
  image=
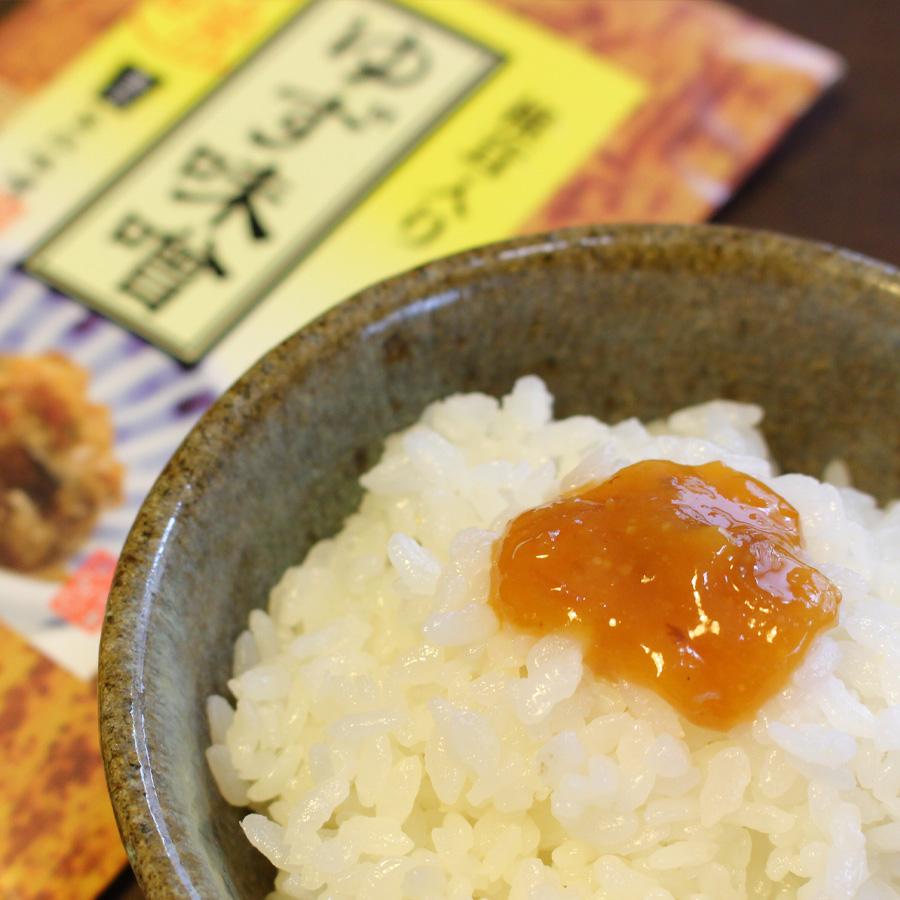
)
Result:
{"points": [[396, 743]]}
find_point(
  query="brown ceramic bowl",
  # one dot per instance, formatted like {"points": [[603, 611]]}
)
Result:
{"points": [[620, 321]]}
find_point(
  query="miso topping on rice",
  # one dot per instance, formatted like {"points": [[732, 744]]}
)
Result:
{"points": [[394, 739]]}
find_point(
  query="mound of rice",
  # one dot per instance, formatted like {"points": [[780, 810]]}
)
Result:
{"points": [[395, 742]]}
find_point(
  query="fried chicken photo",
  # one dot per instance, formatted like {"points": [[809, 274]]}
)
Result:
{"points": [[57, 468]]}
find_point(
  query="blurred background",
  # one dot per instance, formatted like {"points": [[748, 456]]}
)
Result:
{"points": [[835, 177]]}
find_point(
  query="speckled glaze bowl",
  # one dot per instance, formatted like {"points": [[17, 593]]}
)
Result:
{"points": [[620, 321]]}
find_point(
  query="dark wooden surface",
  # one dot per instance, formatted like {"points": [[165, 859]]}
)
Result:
{"points": [[836, 176]]}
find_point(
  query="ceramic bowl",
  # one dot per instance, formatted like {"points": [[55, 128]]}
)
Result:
{"points": [[620, 321]]}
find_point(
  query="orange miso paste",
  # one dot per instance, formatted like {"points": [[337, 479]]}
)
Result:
{"points": [[686, 579]]}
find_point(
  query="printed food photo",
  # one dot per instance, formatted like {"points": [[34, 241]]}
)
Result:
{"points": [[87, 416]]}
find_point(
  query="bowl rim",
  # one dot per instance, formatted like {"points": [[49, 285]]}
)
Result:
{"points": [[140, 816]]}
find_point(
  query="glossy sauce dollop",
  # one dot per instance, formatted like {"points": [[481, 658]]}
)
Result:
{"points": [[687, 579]]}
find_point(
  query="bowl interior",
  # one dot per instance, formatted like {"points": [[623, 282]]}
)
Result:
{"points": [[628, 321]]}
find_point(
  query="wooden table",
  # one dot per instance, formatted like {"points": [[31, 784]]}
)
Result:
{"points": [[836, 177]]}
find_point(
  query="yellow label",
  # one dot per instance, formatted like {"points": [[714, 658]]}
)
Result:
{"points": [[67, 141], [363, 137]]}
